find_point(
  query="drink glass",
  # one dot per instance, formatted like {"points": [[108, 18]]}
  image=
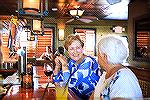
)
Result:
{"points": [[61, 92], [48, 71]]}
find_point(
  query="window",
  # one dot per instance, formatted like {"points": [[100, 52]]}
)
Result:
{"points": [[142, 38], [89, 39], [142, 44]]}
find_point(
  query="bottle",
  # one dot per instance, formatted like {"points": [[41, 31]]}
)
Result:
{"points": [[27, 81], [27, 77]]}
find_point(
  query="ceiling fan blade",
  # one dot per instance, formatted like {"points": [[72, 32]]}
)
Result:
{"points": [[85, 20], [69, 20], [89, 17]]}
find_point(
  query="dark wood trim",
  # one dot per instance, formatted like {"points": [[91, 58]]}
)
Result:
{"points": [[143, 75]]}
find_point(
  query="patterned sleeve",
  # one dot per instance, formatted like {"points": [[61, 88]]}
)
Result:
{"points": [[61, 76]]}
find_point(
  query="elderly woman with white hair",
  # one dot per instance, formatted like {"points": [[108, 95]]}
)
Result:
{"points": [[119, 81]]}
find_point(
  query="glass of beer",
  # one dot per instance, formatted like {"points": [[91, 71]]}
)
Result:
{"points": [[61, 92]]}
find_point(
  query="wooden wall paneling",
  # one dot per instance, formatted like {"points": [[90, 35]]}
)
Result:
{"points": [[5, 49], [43, 41]]}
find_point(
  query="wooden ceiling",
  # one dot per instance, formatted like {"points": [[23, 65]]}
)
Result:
{"points": [[93, 8]]}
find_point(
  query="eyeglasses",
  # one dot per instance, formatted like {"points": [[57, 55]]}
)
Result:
{"points": [[74, 48]]}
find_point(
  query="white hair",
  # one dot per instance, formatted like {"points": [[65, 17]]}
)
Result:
{"points": [[115, 48]]}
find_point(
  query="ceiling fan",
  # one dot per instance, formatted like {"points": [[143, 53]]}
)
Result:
{"points": [[77, 13]]}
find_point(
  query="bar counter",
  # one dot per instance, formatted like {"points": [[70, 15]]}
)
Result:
{"points": [[19, 93], [7, 72]]}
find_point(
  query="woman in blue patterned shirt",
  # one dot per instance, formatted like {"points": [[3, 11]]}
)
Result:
{"points": [[81, 74]]}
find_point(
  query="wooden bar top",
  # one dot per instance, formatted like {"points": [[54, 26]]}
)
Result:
{"points": [[19, 93], [7, 72]]}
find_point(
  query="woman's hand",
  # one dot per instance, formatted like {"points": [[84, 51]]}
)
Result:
{"points": [[57, 66], [61, 61]]}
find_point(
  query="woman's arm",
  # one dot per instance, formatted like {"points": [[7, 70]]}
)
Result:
{"points": [[61, 63], [42, 55]]}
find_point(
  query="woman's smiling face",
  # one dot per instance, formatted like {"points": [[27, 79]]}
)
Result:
{"points": [[75, 50]]}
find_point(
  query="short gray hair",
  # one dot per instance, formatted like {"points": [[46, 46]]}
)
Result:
{"points": [[115, 48]]}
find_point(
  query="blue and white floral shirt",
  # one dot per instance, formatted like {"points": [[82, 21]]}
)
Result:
{"points": [[83, 77]]}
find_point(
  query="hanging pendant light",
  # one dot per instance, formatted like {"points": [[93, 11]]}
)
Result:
{"points": [[76, 12], [31, 5]]}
